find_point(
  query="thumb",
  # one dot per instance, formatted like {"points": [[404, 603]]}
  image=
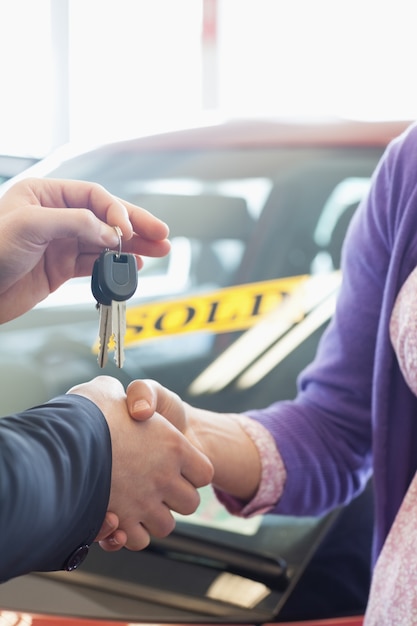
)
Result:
{"points": [[146, 397], [141, 399]]}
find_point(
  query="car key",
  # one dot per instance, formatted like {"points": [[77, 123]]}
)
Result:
{"points": [[105, 327], [114, 280], [118, 317]]}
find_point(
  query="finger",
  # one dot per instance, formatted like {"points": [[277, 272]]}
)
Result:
{"points": [[114, 542], [88, 254], [101, 202], [113, 210], [109, 209], [196, 466], [147, 247], [110, 524], [60, 223], [144, 223], [146, 397], [141, 399], [138, 537], [159, 524], [158, 521], [62, 193], [182, 498]]}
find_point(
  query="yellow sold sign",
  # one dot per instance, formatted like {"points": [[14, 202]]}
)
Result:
{"points": [[231, 309]]}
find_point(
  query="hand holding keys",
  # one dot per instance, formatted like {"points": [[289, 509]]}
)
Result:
{"points": [[114, 280]]}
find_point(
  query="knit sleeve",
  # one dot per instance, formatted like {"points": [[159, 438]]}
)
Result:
{"points": [[273, 474]]}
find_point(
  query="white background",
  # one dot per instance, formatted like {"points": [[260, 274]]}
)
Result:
{"points": [[97, 70]]}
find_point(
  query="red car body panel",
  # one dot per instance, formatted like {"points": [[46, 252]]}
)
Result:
{"points": [[8, 618], [275, 132]]}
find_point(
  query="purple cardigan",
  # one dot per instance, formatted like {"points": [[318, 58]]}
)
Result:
{"points": [[354, 413]]}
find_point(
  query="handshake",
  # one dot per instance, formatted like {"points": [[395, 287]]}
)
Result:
{"points": [[139, 454], [157, 466]]}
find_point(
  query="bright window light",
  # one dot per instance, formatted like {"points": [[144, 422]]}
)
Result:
{"points": [[26, 73], [134, 66], [138, 66]]}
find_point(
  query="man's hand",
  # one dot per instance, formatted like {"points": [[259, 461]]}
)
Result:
{"points": [[220, 436], [53, 230], [155, 469]]}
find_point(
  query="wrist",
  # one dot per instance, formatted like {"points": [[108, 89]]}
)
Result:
{"points": [[234, 455]]}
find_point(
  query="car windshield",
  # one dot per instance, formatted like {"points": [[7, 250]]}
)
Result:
{"points": [[256, 236], [241, 221]]}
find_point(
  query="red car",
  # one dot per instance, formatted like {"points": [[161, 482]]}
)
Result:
{"points": [[258, 211]]}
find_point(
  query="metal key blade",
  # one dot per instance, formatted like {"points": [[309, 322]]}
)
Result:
{"points": [[119, 330], [105, 333]]}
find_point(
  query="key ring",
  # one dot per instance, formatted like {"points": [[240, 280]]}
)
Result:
{"points": [[120, 235]]}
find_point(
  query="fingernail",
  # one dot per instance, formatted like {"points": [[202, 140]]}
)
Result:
{"points": [[112, 235], [113, 541], [141, 405]]}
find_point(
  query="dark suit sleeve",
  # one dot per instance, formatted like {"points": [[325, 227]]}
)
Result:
{"points": [[55, 472]]}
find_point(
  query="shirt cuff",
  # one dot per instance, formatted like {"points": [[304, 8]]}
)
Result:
{"points": [[273, 474]]}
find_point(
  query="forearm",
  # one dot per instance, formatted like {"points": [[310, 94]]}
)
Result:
{"points": [[235, 457]]}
